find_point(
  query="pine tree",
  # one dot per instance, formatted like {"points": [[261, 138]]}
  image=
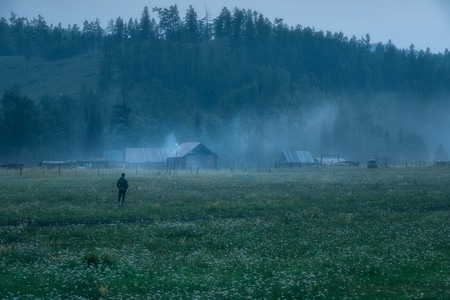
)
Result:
{"points": [[20, 125]]}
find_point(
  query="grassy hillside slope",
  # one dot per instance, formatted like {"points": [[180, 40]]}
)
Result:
{"points": [[38, 77]]}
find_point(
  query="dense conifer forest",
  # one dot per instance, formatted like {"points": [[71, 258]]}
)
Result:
{"points": [[246, 86]]}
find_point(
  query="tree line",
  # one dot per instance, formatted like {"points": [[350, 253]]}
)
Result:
{"points": [[246, 84]]}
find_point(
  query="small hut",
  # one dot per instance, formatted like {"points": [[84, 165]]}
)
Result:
{"points": [[191, 155], [295, 159]]}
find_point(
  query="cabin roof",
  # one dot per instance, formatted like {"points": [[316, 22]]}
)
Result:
{"points": [[297, 157], [190, 148], [137, 155]]}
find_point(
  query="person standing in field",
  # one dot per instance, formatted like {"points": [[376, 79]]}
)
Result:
{"points": [[122, 185]]}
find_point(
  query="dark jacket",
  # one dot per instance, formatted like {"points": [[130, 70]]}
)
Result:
{"points": [[122, 184]]}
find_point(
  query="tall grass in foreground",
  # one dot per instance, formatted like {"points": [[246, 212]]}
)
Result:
{"points": [[309, 233]]}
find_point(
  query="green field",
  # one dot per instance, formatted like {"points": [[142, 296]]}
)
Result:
{"points": [[288, 234]]}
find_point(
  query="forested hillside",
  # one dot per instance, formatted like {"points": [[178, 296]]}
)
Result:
{"points": [[244, 85]]}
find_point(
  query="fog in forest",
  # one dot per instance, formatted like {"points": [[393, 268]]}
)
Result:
{"points": [[246, 87]]}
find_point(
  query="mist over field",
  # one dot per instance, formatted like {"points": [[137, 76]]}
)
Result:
{"points": [[245, 86], [295, 234]]}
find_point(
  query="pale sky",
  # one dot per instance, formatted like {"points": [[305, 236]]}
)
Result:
{"points": [[424, 23]]}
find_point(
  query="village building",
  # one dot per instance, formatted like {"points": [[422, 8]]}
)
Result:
{"points": [[154, 158], [295, 159], [192, 155]]}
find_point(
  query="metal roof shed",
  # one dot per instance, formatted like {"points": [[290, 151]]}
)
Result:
{"points": [[149, 157], [296, 159], [146, 155]]}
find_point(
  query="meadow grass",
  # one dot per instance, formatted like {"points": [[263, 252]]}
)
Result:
{"points": [[329, 233]]}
